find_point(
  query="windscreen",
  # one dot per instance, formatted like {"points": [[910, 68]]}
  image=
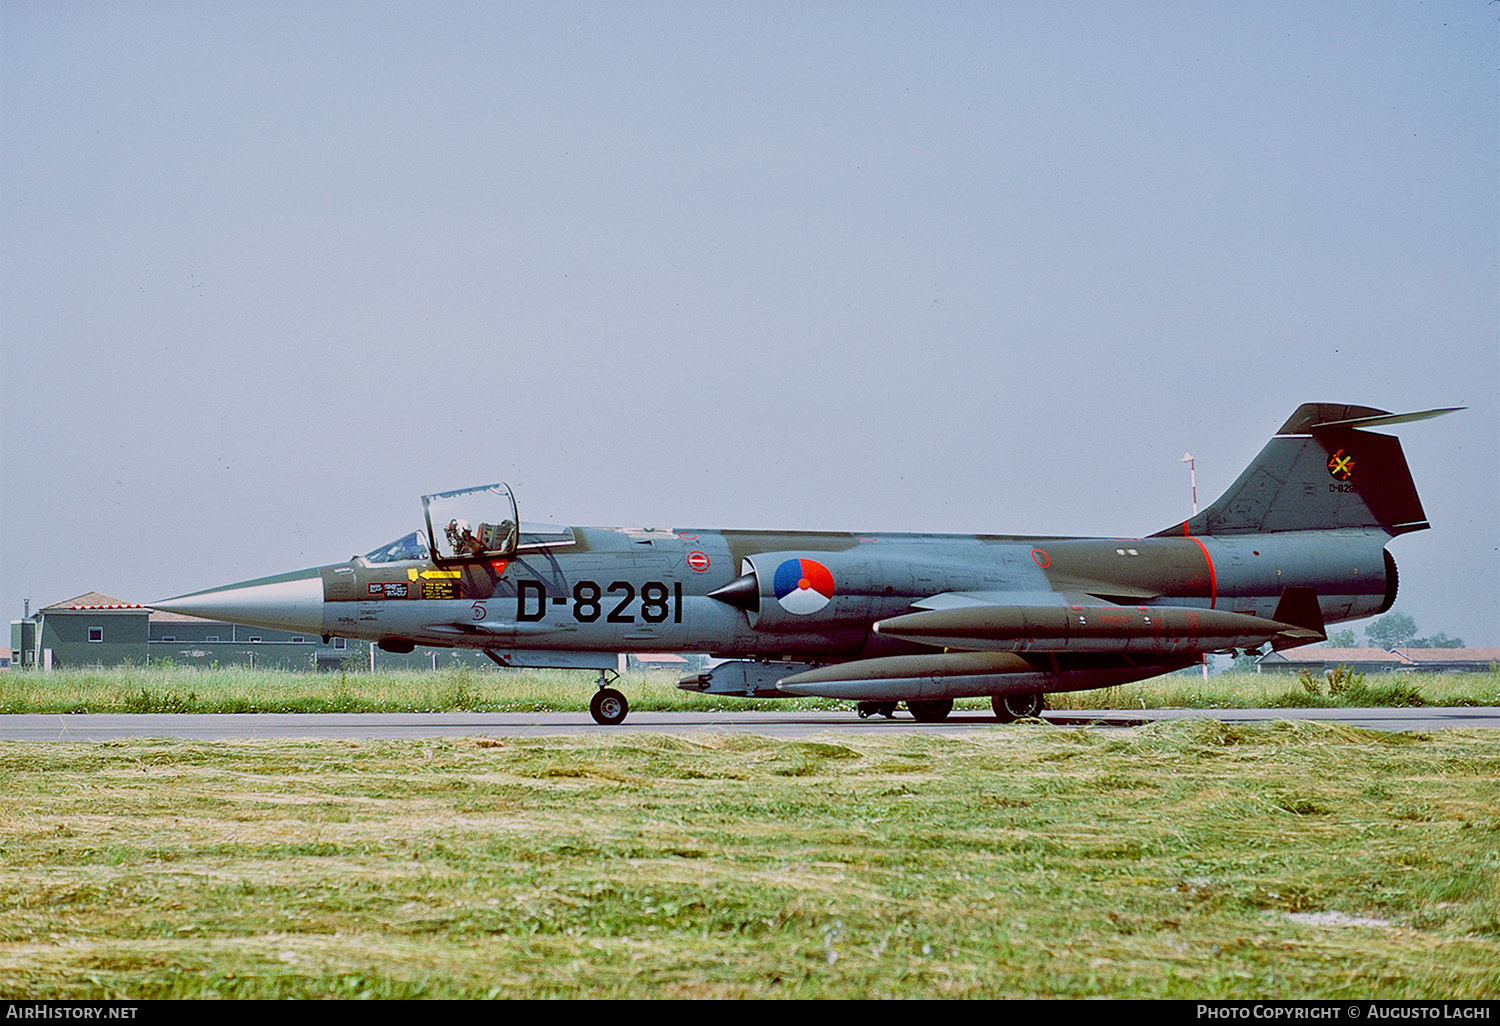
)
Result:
{"points": [[403, 550]]}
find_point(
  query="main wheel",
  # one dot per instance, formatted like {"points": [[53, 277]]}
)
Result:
{"points": [[930, 711], [608, 707], [1009, 708]]}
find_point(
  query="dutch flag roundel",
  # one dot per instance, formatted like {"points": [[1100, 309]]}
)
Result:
{"points": [[802, 586]]}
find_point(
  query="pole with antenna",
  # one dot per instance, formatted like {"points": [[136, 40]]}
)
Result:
{"points": [[1187, 458]]}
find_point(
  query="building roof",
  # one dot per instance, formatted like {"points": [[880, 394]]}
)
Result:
{"points": [[94, 600], [1317, 654], [162, 616], [97, 601], [1452, 655]]}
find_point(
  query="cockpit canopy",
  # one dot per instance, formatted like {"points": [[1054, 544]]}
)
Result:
{"points": [[470, 525]]}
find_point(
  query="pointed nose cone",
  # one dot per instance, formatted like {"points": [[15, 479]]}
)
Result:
{"points": [[290, 602]]}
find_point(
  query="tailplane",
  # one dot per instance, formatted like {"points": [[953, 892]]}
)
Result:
{"points": [[1322, 471]]}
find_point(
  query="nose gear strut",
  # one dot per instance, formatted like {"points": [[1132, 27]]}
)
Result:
{"points": [[608, 706]]}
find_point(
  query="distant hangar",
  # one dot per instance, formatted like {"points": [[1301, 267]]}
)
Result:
{"points": [[95, 629]]}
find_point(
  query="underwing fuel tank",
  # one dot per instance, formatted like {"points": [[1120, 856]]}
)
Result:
{"points": [[959, 674], [1143, 629]]}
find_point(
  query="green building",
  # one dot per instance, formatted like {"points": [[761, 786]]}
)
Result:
{"points": [[99, 630]]}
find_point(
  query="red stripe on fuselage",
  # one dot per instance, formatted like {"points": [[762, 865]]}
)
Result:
{"points": [[1213, 578]]}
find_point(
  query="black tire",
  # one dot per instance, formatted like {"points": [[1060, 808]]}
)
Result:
{"points": [[608, 707], [931, 711], [1009, 708]]}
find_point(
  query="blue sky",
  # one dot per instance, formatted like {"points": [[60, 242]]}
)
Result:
{"points": [[270, 272]]}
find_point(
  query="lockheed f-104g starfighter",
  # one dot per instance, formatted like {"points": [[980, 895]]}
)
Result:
{"points": [[1297, 542]]}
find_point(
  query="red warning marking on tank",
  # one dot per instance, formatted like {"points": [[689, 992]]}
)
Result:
{"points": [[698, 561], [1041, 558]]}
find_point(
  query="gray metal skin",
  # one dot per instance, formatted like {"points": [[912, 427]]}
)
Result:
{"points": [[880, 618]]}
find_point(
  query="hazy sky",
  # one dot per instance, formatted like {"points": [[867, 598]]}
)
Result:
{"points": [[268, 272]]}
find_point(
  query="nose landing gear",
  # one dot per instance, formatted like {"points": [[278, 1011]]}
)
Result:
{"points": [[608, 706]]}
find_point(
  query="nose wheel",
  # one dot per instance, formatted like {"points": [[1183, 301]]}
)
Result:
{"points": [[608, 706]]}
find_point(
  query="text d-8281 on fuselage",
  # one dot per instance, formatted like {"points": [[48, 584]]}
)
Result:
{"points": [[618, 602]]}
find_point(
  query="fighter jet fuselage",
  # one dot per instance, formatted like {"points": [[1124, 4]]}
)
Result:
{"points": [[880, 618]]}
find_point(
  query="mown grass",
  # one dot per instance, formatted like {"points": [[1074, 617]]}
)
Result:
{"points": [[239, 689], [1184, 859], [1277, 691]]}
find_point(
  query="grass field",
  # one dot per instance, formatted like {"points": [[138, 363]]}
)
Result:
{"points": [[1184, 859], [237, 689]]}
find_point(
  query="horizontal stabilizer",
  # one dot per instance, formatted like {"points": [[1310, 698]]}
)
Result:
{"points": [[1377, 419]]}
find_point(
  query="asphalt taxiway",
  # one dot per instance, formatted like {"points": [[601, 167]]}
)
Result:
{"points": [[95, 727]]}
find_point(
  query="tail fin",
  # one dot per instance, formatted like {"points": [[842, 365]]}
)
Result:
{"points": [[1320, 472]]}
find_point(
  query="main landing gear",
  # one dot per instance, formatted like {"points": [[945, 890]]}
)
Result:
{"points": [[608, 706], [923, 712], [930, 711], [1009, 708]]}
